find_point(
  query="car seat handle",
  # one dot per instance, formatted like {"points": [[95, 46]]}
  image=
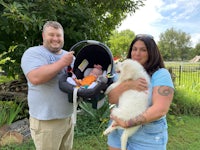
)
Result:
{"points": [[87, 42]]}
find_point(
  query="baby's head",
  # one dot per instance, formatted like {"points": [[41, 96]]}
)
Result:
{"points": [[97, 70]]}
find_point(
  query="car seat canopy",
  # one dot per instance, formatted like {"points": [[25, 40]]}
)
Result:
{"points": [[94, 54]]}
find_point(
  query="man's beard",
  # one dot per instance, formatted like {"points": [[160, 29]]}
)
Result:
{"points": [[55, 50], [52, 49]]}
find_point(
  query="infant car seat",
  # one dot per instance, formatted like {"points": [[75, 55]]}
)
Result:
{"points": [[88, 53]]}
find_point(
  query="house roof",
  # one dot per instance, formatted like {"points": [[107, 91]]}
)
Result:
{"points": [[195, 59]]}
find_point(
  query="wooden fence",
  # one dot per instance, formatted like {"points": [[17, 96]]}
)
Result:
{"points": [[185, 74]]}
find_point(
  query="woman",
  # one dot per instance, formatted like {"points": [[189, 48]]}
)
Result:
{"points": [[153, 132]]}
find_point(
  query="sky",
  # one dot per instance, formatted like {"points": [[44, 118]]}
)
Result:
{"points": [[159, 15]]}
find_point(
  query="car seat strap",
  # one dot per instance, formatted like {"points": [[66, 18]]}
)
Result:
{"points": [[75, 105]]}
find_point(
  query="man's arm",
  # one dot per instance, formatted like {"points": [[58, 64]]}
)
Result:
{"points": [[47, 72]]}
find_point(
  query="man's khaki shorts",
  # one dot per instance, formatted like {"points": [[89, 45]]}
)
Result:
{"points": [[52, 134]]}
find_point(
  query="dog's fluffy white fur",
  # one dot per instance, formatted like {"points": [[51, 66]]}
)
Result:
{"points": [[132, 102]]}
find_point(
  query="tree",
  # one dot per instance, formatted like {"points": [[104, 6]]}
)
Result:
{"points": [[119, 42], [174, 45], [22, 21], [197, 49]]}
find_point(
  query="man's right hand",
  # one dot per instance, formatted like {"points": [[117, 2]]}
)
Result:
{"points": [[67, 59]]}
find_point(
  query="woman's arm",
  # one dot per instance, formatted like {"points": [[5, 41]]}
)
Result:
{"points": [[161, 99], [139, 84]]}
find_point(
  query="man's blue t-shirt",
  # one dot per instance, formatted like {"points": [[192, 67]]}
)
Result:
{"points": [[46, 101]]}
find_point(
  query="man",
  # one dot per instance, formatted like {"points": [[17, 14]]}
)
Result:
{"points": [[50, 112]]}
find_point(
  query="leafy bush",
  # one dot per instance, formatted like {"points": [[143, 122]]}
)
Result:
{"points": [[90, 126], [92, 121], [186, 100], [9, 112], [4, 79]]}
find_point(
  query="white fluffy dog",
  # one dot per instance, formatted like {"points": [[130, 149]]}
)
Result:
{"points": [[132, 102]]}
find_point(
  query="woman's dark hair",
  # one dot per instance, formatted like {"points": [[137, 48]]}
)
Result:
{"points": [[155, 60]]}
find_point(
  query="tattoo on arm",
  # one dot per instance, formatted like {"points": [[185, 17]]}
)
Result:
{"points": [[165, 90], [139, 120]]}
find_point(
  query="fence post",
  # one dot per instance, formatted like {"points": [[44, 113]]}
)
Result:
{"points": [[180, 69]]}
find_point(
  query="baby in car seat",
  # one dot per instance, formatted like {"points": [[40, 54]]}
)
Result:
{"points": [[89, 79]]}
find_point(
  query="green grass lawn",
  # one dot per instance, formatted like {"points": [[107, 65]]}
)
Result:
{"points": [[185, 136]]}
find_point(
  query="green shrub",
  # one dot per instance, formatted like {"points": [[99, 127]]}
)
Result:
{"points": [[92, 121], [4, 79], [90, 126], [186, 100], [9, 112]]}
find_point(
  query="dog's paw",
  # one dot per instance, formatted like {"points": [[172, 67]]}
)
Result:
{"points": [[106, 132], [109, 130]]}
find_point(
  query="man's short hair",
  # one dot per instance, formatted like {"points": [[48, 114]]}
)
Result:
{"points": [[53, 24]]}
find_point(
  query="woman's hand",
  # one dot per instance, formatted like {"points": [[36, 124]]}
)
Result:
{"points": [[139, 84], [118, 122]]}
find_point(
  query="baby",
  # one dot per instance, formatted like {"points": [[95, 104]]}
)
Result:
{"points": [[90, 78]]}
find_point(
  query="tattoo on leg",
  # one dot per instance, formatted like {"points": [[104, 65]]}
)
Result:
{"points": [[165, 90]]}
